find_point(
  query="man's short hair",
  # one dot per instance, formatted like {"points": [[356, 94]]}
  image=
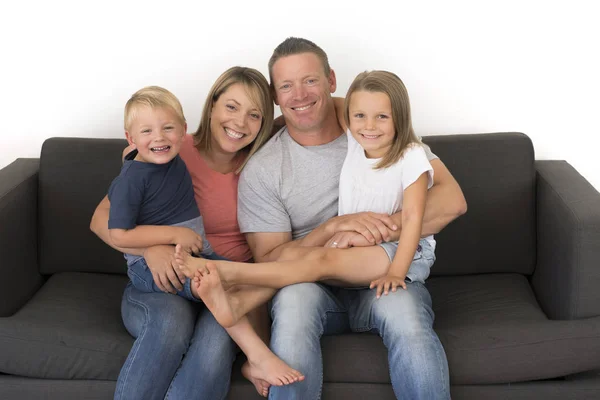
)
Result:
{"points": [[294, 45]]}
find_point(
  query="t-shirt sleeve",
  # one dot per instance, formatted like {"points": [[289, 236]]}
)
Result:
{"points": [[125, 196], [260, 208], [414, 163], [428, 152]]}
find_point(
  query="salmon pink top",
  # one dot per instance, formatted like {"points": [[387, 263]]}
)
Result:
{"points": [[216, 195]]}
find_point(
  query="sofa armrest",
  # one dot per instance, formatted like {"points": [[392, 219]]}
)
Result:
{"points": [[567, 275], [20, 277]]}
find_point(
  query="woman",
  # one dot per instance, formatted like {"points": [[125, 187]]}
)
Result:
{"points": [[180, 350]]}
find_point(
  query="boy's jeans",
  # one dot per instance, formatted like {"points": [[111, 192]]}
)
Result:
{"points": [[304, 312], [141, 277]]}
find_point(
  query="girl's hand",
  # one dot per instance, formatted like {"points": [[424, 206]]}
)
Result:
{"points": [[387, 282], [161, 262]]}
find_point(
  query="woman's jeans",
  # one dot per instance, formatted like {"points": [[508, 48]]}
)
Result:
{"points": [[180, 350]]}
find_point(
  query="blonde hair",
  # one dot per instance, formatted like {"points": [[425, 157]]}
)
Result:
{"points": [[153, 97], [390, 84], [258, 91]]}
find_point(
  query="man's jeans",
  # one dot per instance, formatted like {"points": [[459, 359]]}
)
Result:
{"points": [[180, 351], [303, 312]]}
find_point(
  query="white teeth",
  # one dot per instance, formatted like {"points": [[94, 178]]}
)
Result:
{"points": [[370, 136], [163, 148], [303, 108], [233, 134]]}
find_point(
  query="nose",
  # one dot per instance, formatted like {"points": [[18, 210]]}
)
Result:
{"points": [[239, 120], [370, 124], [299, 92]]}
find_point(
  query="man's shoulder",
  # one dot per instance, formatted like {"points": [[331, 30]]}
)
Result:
{"points": [[271, 154]]}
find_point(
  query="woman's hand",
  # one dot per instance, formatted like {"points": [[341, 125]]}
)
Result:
{"points": [[166, 274], [375, 227], [387, 282]]}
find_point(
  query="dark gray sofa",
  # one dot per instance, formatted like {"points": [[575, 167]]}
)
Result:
{"points": [[516, 285]]}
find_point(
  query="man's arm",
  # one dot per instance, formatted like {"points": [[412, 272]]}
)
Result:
{"points": [[445, 202]]}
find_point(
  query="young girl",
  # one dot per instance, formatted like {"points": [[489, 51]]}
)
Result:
{"points": [[385, 170]]}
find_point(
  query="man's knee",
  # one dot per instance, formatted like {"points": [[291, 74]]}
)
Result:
{"points": [[404, 312], [299, 306]]}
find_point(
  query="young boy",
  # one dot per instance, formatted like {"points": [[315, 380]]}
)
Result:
{"points": [[152, 199]]}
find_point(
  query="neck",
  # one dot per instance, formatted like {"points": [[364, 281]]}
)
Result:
{"points": [[326, 132], [220, 161]]}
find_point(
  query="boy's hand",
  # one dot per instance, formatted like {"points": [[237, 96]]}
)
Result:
{"points": [[189, 240], [387, 282]]}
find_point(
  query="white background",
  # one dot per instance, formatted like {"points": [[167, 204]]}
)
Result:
{"points": [[68, 67]]}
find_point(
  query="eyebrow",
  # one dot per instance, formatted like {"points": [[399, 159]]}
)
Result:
{"points": [[235, 101]]}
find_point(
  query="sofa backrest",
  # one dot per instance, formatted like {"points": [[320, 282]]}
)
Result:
{"points": [[497, 175], [495, 171], [74, 176]]}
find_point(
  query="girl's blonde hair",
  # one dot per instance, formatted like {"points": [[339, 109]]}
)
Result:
{"points": [[390, 84], [258, 91], [153, 97]]}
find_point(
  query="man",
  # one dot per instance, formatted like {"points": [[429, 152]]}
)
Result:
{"points": [[288, 195]]}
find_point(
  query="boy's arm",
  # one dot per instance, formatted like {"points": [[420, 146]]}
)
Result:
{"points": [[160, 259], [143, 236]]}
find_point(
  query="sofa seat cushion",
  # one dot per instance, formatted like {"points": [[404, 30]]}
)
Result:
{"points": [[494, 331], [71, 329]]}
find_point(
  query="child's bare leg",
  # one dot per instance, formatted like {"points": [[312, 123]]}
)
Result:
{"points": [[227, 306], [354, 266], [263, 368]]}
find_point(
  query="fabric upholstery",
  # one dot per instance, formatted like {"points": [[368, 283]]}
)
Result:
{"points": [[74, 176]]}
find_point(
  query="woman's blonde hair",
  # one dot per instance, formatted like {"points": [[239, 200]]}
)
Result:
{"points": [[390, 84], [258, 91], [153, 97]]}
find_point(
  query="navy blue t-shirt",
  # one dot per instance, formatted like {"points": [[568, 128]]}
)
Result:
{"points": [[151, 194]]}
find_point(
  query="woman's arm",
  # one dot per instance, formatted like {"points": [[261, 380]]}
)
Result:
{"points": [[160, 260]]}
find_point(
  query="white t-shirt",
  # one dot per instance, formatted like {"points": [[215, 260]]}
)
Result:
{"points": [[363, 188]]}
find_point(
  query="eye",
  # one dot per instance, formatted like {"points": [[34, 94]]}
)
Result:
{"points": [[168, 128], [382, 116], [230, 107], [285, 87], [256, 116], [146, 131], [311, 81], [359, 115]]}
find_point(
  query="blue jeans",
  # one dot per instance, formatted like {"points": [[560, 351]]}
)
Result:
{"points": [[141, 277], [180, 350], [302, 313]]}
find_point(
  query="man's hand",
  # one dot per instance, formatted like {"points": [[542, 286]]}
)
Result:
{"points": [[189, 240], [375, 227], [344, 240], [387, 282], [165, 272]]}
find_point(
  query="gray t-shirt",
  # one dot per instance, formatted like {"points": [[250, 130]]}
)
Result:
{"points": [[286, 187]]}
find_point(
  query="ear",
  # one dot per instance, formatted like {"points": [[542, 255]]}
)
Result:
{"points": [[129, 138], [332, 81], [185, 128], [274, 95]]}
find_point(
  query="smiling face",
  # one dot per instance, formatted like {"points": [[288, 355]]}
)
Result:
{"points": [[157, 134], [303, 90], [235, 120], [371, 122]]}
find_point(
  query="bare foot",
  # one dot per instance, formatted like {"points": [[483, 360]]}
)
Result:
{"points": [[262, 386], [188, 264], [273, 370], [210, 290]]}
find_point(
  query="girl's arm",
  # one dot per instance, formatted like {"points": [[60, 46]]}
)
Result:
{"points": [[413, 208]]}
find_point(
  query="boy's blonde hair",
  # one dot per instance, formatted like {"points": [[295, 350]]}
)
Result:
{"points": [[390, 84], [153, 97], [258, 91]]}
